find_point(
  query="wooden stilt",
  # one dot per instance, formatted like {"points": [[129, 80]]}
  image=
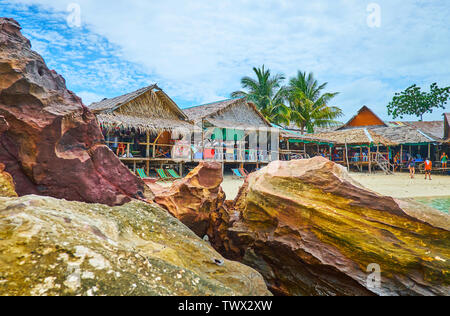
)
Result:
{"points": [[147, 153], [401, 153]]}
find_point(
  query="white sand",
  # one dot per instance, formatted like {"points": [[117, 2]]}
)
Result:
{"points": [[401, 186], [397, 186]]}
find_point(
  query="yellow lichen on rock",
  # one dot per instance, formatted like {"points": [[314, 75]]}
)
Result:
{"points": [[7, 188], [55, 247], [311, 230]]}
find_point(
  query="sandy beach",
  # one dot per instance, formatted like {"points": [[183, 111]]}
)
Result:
{"points": [[397, 186], [401, 186]]}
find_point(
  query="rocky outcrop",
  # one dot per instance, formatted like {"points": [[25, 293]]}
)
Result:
{"points": [[195, 200], [54, 247], [7, 188], [53, 146], [311, 230]]}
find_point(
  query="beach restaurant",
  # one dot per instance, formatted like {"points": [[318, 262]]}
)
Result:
{"points": [[233, 132], [367, 141], [143, 127]]}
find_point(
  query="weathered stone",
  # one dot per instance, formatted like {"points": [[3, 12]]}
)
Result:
{"points": [[311, 230], [194, 199], [7, 188], [53, 145], [55, 247]]}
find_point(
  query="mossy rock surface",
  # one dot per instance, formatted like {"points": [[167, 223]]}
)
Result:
{"points": [[55, 247]]}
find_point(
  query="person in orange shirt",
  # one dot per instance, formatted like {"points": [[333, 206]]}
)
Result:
{"points": [[428, 168]]}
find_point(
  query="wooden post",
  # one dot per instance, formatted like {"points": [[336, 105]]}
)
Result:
{"points": [[346, 156], [203, 139], [370, 160], [147, 152], [429, 151], [401, 154], [289, 150]]}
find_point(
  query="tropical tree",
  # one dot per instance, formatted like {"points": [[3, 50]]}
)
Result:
{"points": [[267, 92], [309, 104], [414, 101]]}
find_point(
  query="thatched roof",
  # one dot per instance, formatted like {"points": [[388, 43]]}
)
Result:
{"points": [[141, 124], [362, 136], [239, 113], [305, 138], [433, 129], [295, 128], [406, 134], [147, 109]]}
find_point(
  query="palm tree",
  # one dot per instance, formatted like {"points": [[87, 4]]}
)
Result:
{"points": [[309, 107], [267, 92]]}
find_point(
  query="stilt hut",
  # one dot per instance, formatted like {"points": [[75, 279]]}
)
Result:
{"points": [[294, 145], [233, 132], [361, 148], [141, 126]]}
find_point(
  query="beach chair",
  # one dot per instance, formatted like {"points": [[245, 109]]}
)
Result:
{"points": [[141, 173], [173, 173], [162, 175], [243, 172], [237, 173]]}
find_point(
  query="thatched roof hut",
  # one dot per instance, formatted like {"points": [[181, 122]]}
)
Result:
{"points": [[233, 114], [361, 136], [148, 110]]}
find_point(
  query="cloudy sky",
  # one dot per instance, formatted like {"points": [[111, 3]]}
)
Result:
{"points": [[197, 51]]}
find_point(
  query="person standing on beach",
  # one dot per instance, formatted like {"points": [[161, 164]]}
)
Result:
{"points": [[412, 167], [444, 160], [428, 167]]}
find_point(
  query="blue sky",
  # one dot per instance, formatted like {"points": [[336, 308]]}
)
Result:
{"points": [[197, 51]]}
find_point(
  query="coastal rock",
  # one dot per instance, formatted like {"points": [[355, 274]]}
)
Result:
{"points": [[55, 247], [7, 188], [194, 199], [53, 146], [309, 229]]}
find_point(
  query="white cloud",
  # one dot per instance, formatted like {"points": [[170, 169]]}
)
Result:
{"points": [[199, 50], [89, 97]]}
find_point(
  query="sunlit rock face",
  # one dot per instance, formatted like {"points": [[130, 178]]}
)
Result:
{"points": [[53, 145], [311, 230], [7, 187], [196, 199], [56, 247]]}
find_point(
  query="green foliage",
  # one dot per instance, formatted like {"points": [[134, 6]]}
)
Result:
{"points": [[414, 101], [307, 107], [309, 104], [267, 92]]}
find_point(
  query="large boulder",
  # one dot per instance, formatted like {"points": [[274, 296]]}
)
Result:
{"points": [[194, 199], [311, 230], [53, 145], [55, 247]]}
